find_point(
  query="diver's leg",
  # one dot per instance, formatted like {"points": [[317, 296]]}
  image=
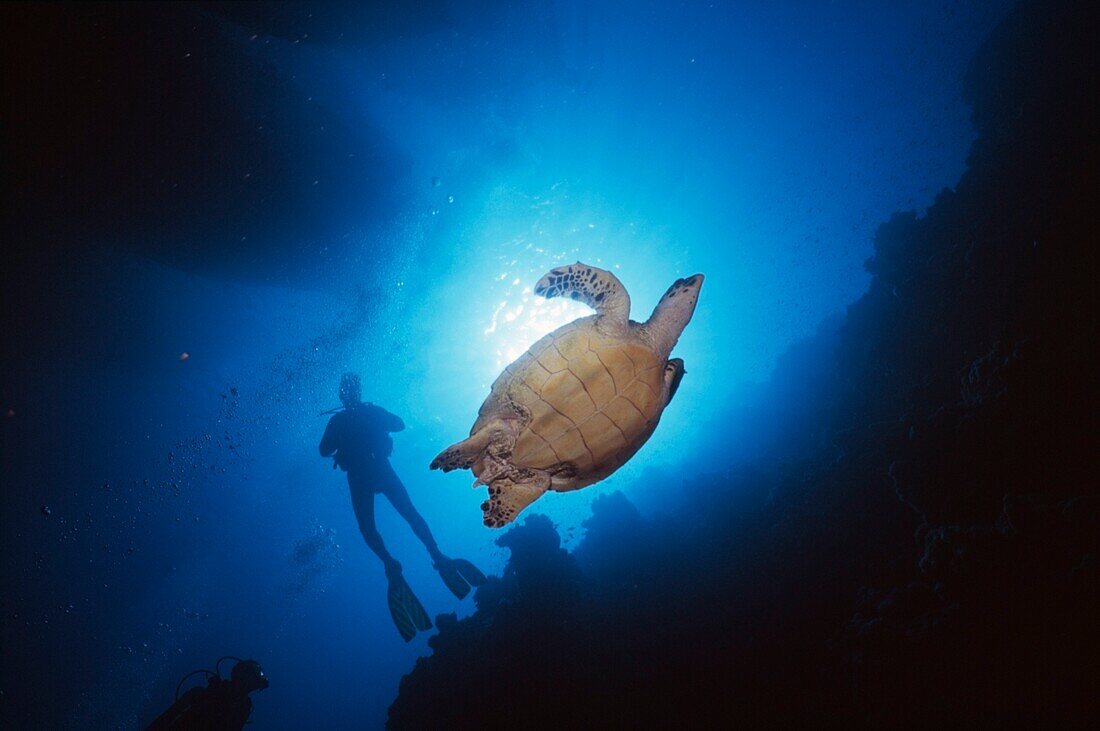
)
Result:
{"points": [[446, 567], [362, 502], [458, 574], [399, 497]]}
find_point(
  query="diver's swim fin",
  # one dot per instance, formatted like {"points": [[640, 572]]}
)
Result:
{"points": [[469, 572], [407, 611], [458, 574], [451, 577]]}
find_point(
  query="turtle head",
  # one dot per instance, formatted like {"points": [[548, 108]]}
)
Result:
{"points": [[673, 312]]}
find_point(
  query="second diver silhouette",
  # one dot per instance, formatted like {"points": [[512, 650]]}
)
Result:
{"points": [[358, 439]]}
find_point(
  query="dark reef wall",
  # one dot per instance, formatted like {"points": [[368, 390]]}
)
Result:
{"points": [[923, 548]]}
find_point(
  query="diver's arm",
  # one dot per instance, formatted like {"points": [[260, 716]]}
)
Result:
{"points": [[171, 718], [328, 441], [237, 716], [389, 422]]}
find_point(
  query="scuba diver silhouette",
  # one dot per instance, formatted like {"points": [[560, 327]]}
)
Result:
{"points": [[223, 705], [358, 439]]}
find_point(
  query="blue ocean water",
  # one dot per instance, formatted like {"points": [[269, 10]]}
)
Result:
{"points": [[163, 511]]}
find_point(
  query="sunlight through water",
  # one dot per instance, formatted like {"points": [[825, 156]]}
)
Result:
{"points": [[523, 318]]}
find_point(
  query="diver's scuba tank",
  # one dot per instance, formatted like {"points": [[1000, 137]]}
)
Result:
{"points": [[221, 700], [249, 666]]}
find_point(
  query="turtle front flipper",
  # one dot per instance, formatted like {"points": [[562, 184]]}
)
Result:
{"points": [[599, 289], [674, 373], [508, 496]]}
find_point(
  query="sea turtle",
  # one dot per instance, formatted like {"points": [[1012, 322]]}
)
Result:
{"points": [[581, 401]]}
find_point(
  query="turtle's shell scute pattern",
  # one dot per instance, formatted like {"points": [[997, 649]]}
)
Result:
{"points": [[592, 400]]}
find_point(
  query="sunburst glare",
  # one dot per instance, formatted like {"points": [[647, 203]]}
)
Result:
{"points": [[521, 317]]}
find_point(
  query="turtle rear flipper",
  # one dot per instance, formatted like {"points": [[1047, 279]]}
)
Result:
{"points": [[462, 455], [507, 498]]}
